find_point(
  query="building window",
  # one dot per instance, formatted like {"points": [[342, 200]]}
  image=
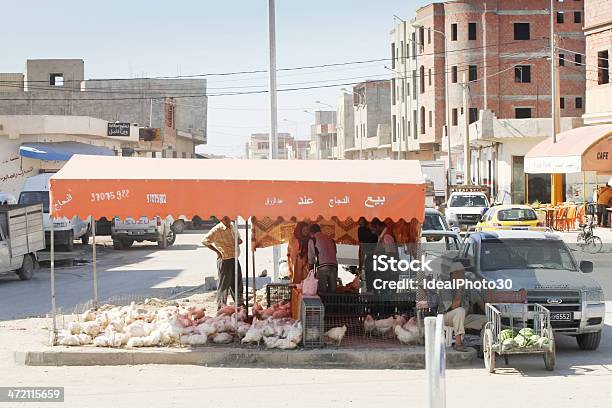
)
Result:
{"points": [[393, 91], [422, 120], [153, 154], [454, 32], [392, 55], [415, 123], [577, 17], [454, 74], [522, 113], [414, 83], [472, 73], [521, 31], [429, 75], [394, 127], [430, 118], [401, 54], [603, 64], [561, 60], [455, 117], [421, 38], [578, 59], [560, 17], [422, 78], [413, 42], [429, 36], [562, 103], [473, 115], [56, 79], [472, 31], [578, 102], [522, 73], [403, 128]]}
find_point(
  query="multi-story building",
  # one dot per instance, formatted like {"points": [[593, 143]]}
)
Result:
{"points": [[496, 50], [59, 87], [372, 121], [345, 114], [323, 137], [30, 144], [598, 32], [258, 146]]}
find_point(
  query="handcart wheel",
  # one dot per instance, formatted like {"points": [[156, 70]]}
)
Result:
{"points": [[487, 348], [550, 356]]}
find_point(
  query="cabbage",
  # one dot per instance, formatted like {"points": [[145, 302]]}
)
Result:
{"points": [[505, 334]]}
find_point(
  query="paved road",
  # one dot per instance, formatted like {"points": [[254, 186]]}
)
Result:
{"points": [[143, 270]]}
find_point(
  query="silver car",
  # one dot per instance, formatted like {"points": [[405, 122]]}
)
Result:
{"points": [[541, 263]]}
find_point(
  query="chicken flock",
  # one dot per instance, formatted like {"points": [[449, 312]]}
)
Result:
{"points": [[141, 326]]}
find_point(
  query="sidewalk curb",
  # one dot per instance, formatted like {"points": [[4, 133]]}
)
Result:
{"points": [[235, 357]]}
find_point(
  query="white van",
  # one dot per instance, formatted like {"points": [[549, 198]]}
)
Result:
{"points": [[36, 190]]}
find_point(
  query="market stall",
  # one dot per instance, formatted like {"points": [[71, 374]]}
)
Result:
{"points": [[279, 191]]}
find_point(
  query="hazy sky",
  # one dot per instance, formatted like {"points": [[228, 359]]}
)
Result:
{"points": [[155, 38]]}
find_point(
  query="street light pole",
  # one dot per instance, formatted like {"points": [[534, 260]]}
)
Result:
{"points": [[273, 138]]}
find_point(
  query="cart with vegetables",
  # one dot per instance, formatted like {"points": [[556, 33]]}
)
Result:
{"points": [[517, 328]]}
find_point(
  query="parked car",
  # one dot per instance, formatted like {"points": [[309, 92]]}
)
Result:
{"points": [[125, 232], [514, 216], [435, 221], [465, 208], [21, 236], [36, 191], [541, 263]]}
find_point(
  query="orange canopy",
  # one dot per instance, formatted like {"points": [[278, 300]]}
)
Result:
{"points": [[123, 186]]}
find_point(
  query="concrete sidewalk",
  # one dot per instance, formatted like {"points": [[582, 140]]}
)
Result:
{"points": [[27, 342]]}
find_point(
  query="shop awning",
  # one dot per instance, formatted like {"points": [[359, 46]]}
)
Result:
{"points": [[125, 186], [61, 151], [587, 148]]}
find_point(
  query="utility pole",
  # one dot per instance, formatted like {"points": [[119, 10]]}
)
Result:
{"points": [[556, 180], [273, 139], [467, 159]]}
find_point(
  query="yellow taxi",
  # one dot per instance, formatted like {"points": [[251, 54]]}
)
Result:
{"points": [[509, 216]]}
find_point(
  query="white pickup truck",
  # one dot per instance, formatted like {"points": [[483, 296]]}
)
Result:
{"points": [[21, 236], [36, 191], [465, 208], [125, 232]]}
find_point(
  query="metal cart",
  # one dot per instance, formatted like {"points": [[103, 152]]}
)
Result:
{"points": [[513, 316]]}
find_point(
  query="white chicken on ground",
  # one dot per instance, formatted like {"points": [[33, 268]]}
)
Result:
{"points": [[336, 334], [406, 336], [384, 326]]}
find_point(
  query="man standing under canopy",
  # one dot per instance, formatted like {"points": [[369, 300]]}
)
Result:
{"points": [[220, 239]]}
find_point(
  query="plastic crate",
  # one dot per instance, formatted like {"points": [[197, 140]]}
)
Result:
{"points": [[312, 315], [275, 292]]}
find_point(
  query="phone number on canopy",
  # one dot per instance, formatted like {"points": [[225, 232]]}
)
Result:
{"points": [[110, 196]]}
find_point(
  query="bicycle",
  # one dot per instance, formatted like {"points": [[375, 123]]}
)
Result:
{"points": [[587, 241]]}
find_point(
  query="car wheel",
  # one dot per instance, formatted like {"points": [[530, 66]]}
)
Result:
{"points": [[178, 226], [127, 243], [589, 341], [117, 244], [70, 243], [27, 268]]}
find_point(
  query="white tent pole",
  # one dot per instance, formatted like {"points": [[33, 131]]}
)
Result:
{"points": [[236, 297], [95, 268], [53, 311]]}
